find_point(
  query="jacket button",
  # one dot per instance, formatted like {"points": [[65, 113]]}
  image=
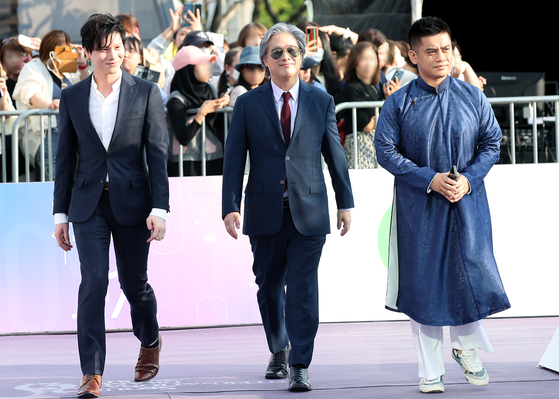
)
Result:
{"points": [[282, 182], [108, 156], [287, 158], [102, 181]]}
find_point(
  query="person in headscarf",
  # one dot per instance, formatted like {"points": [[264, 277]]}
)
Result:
{"points": [[190, 90]]}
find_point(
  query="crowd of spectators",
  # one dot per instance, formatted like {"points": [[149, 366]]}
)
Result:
{"points": [[193, 72]]}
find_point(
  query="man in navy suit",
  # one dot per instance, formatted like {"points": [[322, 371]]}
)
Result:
{"points": [[285, 125], [111, 181]]}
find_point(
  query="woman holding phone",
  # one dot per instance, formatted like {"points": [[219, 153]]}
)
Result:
{"points": [[190, 90], [39, 86], [361, 76]]}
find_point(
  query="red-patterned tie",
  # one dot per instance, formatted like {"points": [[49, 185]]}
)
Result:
{"points": [[286, 117]]}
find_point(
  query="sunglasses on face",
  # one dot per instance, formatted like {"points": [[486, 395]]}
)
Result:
{"points": [[277, 52]]}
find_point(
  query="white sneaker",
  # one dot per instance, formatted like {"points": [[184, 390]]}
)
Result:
{"points": [[473, 370], [432, 386]]}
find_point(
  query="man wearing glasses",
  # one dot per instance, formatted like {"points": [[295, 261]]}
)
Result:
{"points": [[285, 125]]}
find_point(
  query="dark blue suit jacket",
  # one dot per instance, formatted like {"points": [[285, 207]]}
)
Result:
{"points": [[255, 127], [135, 160]]}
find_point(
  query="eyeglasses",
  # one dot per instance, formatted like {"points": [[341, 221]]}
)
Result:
{"points": [[277, 52]]}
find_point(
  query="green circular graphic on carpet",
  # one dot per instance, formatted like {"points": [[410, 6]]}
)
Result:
{"points": [[383, 236]]}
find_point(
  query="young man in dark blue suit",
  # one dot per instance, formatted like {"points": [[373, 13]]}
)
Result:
{"points": [[111, 181], [285, 125]]}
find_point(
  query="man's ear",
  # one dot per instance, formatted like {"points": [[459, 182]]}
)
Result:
{"points": [[264, 61], [413, 56]]}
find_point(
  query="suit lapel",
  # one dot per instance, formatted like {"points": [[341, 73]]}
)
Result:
{"points": [[269, 103], [305, 100], [128, 91], [82, 105]]}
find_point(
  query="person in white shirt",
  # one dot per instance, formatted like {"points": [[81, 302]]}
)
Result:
{"points": [[111, 183]]}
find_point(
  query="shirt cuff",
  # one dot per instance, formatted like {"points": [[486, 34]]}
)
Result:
{"points": [[345, 209], [469, 185], [162, 213], [429, 187], [60, 218]]}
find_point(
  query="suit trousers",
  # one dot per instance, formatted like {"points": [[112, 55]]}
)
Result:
{"points": [[93, 239], [428, 341], [286, 270]]}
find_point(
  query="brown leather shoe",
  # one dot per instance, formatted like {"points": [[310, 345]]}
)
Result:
{"points": [[90, 386], [148, 363]]}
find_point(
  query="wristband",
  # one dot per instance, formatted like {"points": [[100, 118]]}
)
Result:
{"points": [[82, 67]]}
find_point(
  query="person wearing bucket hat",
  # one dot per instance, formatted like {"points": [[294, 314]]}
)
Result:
{"points": [[306, 74], [190, 90], [251, 73]]}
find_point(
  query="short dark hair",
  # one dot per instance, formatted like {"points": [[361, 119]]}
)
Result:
{"points": [[98, 29], [136, 45], [428, 26]]}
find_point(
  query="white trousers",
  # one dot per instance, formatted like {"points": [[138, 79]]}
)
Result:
{"points": [[428, 341]]}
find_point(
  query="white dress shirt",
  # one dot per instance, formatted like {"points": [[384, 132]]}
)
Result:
{"points": [[293, 104], [293, 101], [102, 112]]}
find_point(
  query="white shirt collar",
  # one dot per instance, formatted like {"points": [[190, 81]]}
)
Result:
{"points": [[116, 84], [294, 91]]}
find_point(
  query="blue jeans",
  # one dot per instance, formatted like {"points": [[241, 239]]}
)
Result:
{"points": [[38, 166]]}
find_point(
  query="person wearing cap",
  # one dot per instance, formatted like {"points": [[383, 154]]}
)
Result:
{"points": [[202, 40], [251, 73], [190, 90], [306, 74], [285, 126]]}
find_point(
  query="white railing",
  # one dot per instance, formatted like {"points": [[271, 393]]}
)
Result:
{"points": [[511, 101], [21, 126]]}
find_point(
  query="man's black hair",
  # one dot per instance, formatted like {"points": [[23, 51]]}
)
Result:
{"points": [[428, 26], [98, 29]]}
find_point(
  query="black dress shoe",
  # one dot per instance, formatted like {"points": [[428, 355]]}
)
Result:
{"points": [[299, 379], [277, 367]]}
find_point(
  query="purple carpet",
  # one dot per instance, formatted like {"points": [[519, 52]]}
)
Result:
{"points": [[352, 360]]}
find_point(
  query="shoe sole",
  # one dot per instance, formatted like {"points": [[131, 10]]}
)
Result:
{"points": [[300, 388], [432, 390], [274, 377], [477, 382], [146, 379], [471, 380], [88, 395]]}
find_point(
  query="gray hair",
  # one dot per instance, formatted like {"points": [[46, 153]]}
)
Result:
{"points": [[281, 27]]}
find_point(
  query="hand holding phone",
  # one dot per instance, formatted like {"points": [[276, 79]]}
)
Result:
{"points": [[311, 37], [196, 19], [453, 174], [398, 75]]}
